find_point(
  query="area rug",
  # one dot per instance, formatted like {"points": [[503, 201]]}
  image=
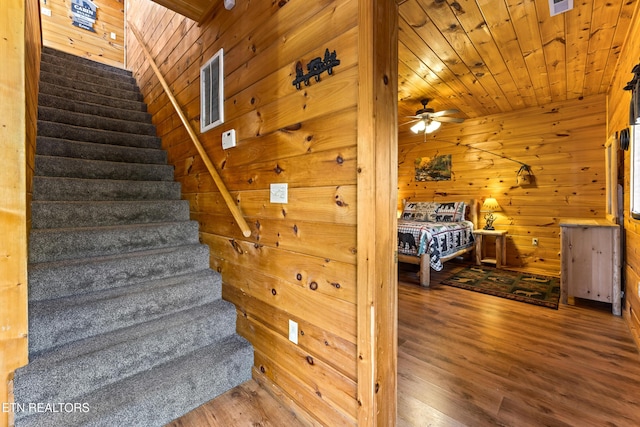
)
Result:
{"points": [[529, 288]]}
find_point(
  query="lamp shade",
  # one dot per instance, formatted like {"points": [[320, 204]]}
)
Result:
{"points": [[427, 126], [490, 205], [432, 126], [418, 127]]}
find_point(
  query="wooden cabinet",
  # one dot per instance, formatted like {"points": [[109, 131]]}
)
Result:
{"points": [[590, 252]]}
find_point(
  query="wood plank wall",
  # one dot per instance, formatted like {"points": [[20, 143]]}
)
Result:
{"points": [[377, 273], [59, 33], [300, 262], [618, 119], [564, 145], [20, 47]]}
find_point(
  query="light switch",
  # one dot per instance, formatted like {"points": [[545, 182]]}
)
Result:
{"points": [[228, 139], [278, 193], [293, 331]]}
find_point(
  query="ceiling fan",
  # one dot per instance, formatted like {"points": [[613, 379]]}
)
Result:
{"points": [[427, 120]]}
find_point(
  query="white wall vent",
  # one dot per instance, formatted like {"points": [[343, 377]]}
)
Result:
{"points": [[559, 6], [212, 93]]}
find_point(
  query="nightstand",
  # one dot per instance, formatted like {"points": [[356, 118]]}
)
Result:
{"points": [[501, 247]]}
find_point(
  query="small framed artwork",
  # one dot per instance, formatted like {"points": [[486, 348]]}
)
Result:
{"points": [[212, 92], [437, 168]]}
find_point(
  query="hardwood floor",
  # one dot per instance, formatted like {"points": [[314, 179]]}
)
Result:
{"points": [[245, 405], [468, 359]]}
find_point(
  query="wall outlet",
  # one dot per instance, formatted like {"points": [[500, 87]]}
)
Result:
{"points": [[113, 36], [229, 139], [293, 331], [45, 11], [534, 241], [278, 193]]}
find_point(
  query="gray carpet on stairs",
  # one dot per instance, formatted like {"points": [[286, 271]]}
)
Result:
{"points": [[127, 326]]}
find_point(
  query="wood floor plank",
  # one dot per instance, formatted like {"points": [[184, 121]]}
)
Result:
{"points": [[245, 405], [469, 359], [571, 366]]}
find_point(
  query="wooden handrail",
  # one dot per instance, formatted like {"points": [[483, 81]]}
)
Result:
{"points": [[235, 210]]}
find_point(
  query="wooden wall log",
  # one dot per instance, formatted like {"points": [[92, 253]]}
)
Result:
{"points": [[564, 145], [59, 33], [20, 49], [618, 119], [300, 261]]}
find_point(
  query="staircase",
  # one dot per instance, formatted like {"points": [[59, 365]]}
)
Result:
{"points": [[127, 326]]}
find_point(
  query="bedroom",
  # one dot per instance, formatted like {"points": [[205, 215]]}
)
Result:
{"points": [[314, 240]]}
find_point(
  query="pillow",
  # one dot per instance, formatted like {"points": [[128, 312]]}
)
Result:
{"points": [[419, 211], [449, 212]]}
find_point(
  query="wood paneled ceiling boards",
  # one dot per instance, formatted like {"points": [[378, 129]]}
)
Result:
{"points": [[485, 57]]}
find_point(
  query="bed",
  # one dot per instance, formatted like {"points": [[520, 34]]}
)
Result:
{"points": [[431, 233]]}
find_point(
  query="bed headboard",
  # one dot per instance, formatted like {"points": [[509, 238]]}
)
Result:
{"points": [[471, 212]]}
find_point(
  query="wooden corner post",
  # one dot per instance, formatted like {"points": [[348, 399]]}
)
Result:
{"points": [[377, 279]]}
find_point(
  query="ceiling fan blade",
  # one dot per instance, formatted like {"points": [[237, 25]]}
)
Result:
{"points": [[444, 113], [448, 119], [411, 121]]}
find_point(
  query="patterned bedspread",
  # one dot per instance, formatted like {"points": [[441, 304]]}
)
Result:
{"points": [[438, 239]]}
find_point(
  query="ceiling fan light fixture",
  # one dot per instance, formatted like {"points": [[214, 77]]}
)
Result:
{"points": [[426, 126], [418, 127], [432, 127]]}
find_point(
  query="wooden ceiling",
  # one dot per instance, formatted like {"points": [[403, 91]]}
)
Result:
{"points": [[485, 57]]}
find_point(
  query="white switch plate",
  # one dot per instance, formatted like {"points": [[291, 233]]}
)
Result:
{"points": [[113, 36], [278, 193], [45, 11], [229, 139], [293, 331]]}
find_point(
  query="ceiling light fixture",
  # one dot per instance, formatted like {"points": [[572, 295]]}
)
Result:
{"points": [[427, 126]]}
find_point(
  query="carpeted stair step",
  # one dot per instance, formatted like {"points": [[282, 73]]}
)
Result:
{"points": [[81, 316], [59, 279], [67, 60], [54, 166], [92, 98], [90, 88], [53, 188], [70, 243], [61, 214], [94, 122], [125, 313], [162, 394], [86, 365], [79, 133], [67, 104], [47, 146], [88, 75]]}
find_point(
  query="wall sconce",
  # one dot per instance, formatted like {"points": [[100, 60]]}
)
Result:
{"points": [[490, 206], [525, 177]]}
